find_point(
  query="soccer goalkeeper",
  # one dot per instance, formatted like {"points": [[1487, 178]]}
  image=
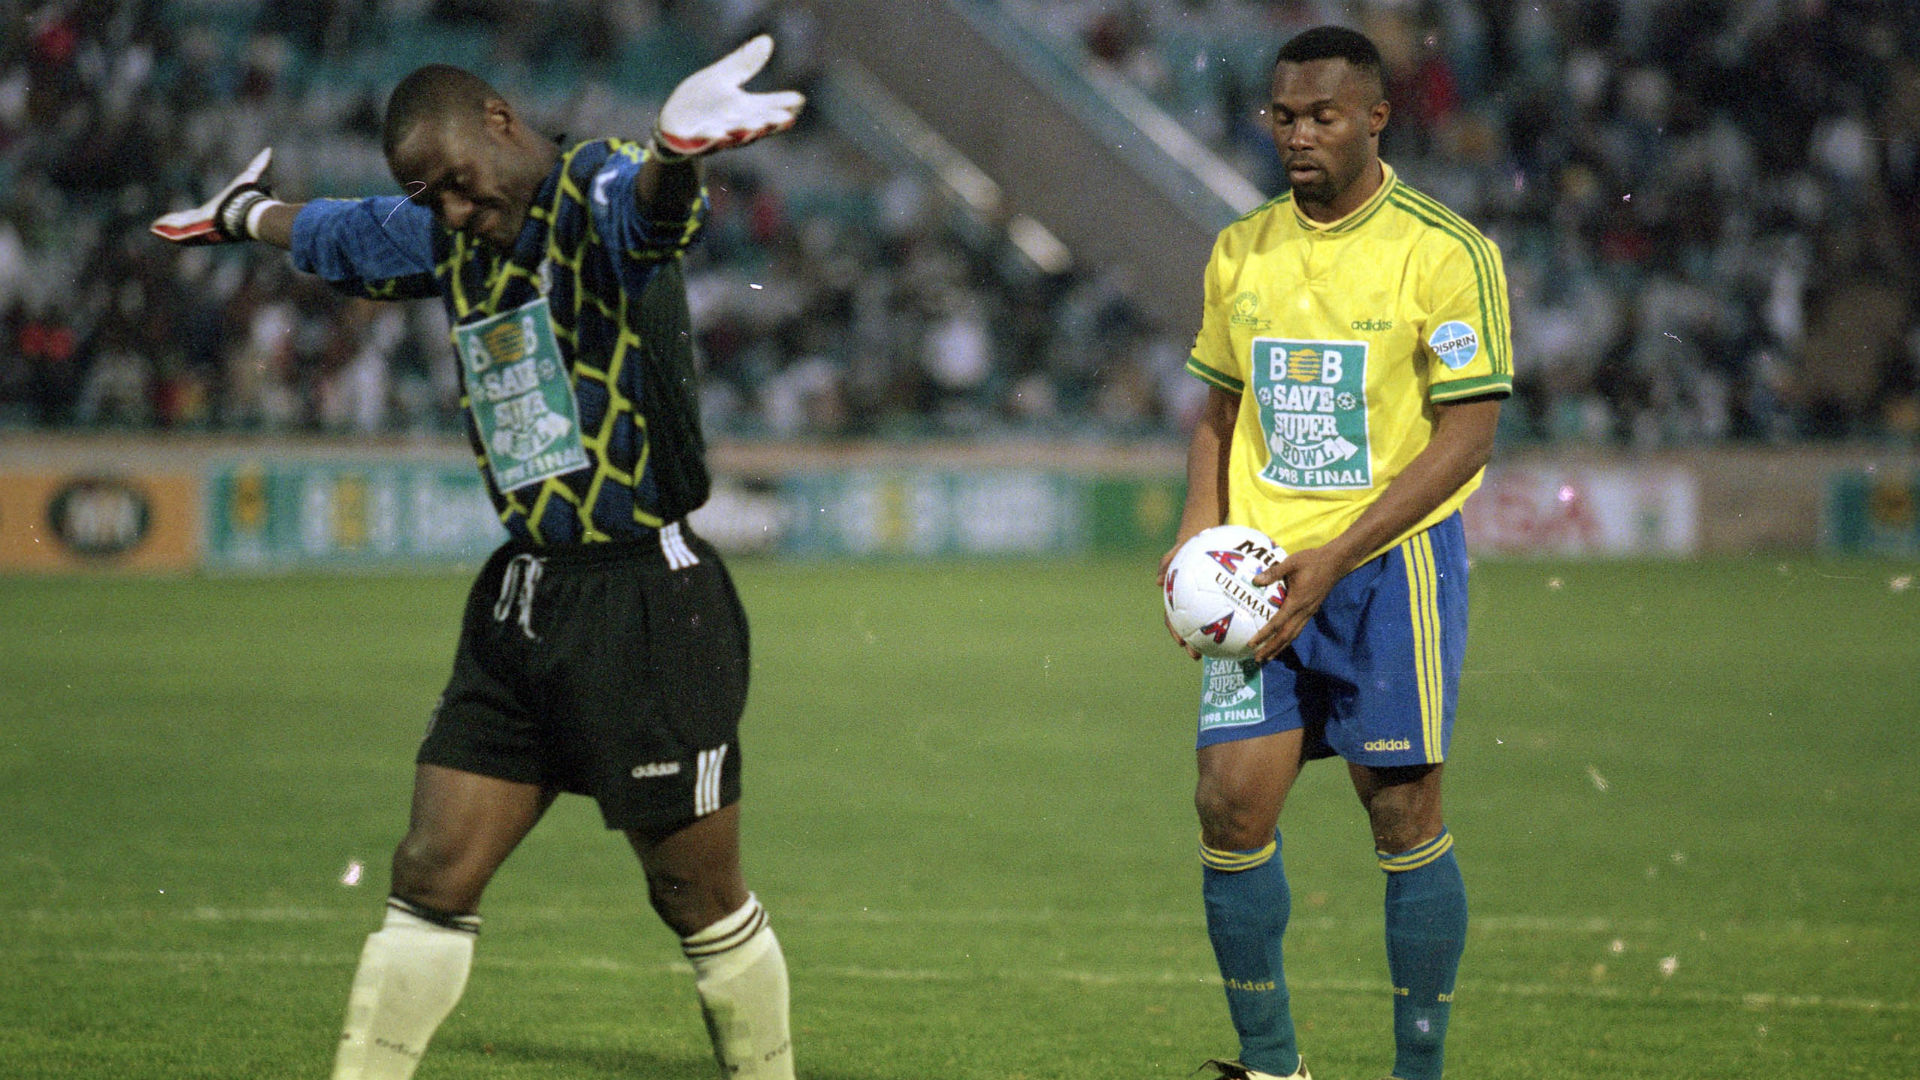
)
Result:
{"points": [[603, 649]]}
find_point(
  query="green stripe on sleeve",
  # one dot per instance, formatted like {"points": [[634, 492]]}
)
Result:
{"points": [[1500, 385], [1486, 269], [1214, 378]]}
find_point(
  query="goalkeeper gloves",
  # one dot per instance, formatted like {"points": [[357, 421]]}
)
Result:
{"points": [[225, 218], [711, 111]]}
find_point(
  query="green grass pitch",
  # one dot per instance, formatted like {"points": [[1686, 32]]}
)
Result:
{"points": [[1685, 796]]}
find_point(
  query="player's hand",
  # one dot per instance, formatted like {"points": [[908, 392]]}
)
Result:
{"points": [[711, 110], [1165, 560], [1310, 574], [223, 218]]}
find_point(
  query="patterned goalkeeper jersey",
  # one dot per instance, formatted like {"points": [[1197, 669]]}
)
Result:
{"points": [[575, 349]]}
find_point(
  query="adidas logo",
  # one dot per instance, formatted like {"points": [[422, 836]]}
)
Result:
{"points": [[655, 770], [1388, 744]]}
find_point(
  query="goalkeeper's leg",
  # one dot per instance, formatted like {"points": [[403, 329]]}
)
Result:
{"points": [[414, 968], [694, 881], [411, 974]]}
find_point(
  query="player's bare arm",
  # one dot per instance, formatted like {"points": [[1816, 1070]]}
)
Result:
{"points": [[1461, 446], [1207, 449], [275, 224], [1206, 477]]}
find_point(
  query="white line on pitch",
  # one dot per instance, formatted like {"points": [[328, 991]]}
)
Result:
{"points": [[1774, 931], [1755, 1000]]}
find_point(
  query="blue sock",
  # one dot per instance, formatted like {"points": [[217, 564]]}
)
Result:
{"points": [[1426, 933], [1247, 907]]}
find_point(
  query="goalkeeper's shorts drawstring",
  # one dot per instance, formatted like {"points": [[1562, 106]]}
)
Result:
{"points": [[516, 586]]}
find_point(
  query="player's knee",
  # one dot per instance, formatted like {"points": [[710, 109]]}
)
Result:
{"points": [[1229, 821], [430, 872], [690, 902], [1404, 812], [1402, 827]]}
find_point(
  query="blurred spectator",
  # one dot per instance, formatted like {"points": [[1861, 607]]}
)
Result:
{"points": [[49, 348], [118, 386]]}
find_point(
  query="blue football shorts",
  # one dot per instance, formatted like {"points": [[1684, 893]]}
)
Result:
{"points": [[1374, 676]]}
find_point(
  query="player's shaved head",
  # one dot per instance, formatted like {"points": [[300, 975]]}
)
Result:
{"points": [[1337, 43], [433, 92], [460, 149]]}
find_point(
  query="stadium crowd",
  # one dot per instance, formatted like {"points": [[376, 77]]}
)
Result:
{"points": [[1710, 213], [1710, 210]]}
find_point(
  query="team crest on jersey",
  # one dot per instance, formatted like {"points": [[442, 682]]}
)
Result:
{"points": [[1246, 312], [1313, 413]]}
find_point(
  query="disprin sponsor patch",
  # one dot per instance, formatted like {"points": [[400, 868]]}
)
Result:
{"points": [[1455, 343]]}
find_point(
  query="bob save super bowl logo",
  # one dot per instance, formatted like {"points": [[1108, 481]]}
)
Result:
{"points": [[1312, 398]]}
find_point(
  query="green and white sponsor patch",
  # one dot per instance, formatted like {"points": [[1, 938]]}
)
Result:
{"points": [[521, 399], [1313, 413], [1231, 692]]}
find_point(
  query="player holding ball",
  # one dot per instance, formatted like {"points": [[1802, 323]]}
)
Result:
{"points": [[603, 649], [1356, 348]]}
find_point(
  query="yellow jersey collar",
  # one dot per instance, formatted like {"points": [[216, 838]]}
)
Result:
{"points": [[1358, 214]]}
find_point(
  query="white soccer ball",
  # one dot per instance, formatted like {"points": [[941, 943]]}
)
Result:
{"points": [[1211, 600]]}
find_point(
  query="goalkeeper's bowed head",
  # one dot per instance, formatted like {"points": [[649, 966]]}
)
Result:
{"points": [[710, 110]]}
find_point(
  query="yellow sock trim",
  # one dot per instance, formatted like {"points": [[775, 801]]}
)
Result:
{"points": [[1418, 857], [1233, 862]]}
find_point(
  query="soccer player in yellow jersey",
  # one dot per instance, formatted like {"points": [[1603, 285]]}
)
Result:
{"points": [[1356, 346]]}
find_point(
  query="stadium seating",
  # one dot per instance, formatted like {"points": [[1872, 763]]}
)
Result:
{"points": [[1708, 212]]}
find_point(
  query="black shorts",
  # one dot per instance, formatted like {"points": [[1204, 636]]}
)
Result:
{"points": [[613, 670]]}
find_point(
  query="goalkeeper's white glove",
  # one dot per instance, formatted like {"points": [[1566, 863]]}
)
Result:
{"points": [[222, 219], [711, 111]]}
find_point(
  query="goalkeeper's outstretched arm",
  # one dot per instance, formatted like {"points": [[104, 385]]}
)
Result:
{"points": [[243, 210], [275, 224], [710, 110]]}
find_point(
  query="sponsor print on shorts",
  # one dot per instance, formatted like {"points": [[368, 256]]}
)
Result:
{"points": [[1313, 412], [1455, 343], [1230, 693]]}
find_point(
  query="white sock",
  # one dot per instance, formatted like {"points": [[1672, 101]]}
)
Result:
{"points": [[742, 981], [411, 974]]}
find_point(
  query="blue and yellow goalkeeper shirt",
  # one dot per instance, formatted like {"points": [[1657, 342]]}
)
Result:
{"points": [[575, 349], [1338, 339]]}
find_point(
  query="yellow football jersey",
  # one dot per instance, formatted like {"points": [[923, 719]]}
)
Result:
{"points": [[1338, 339]]}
